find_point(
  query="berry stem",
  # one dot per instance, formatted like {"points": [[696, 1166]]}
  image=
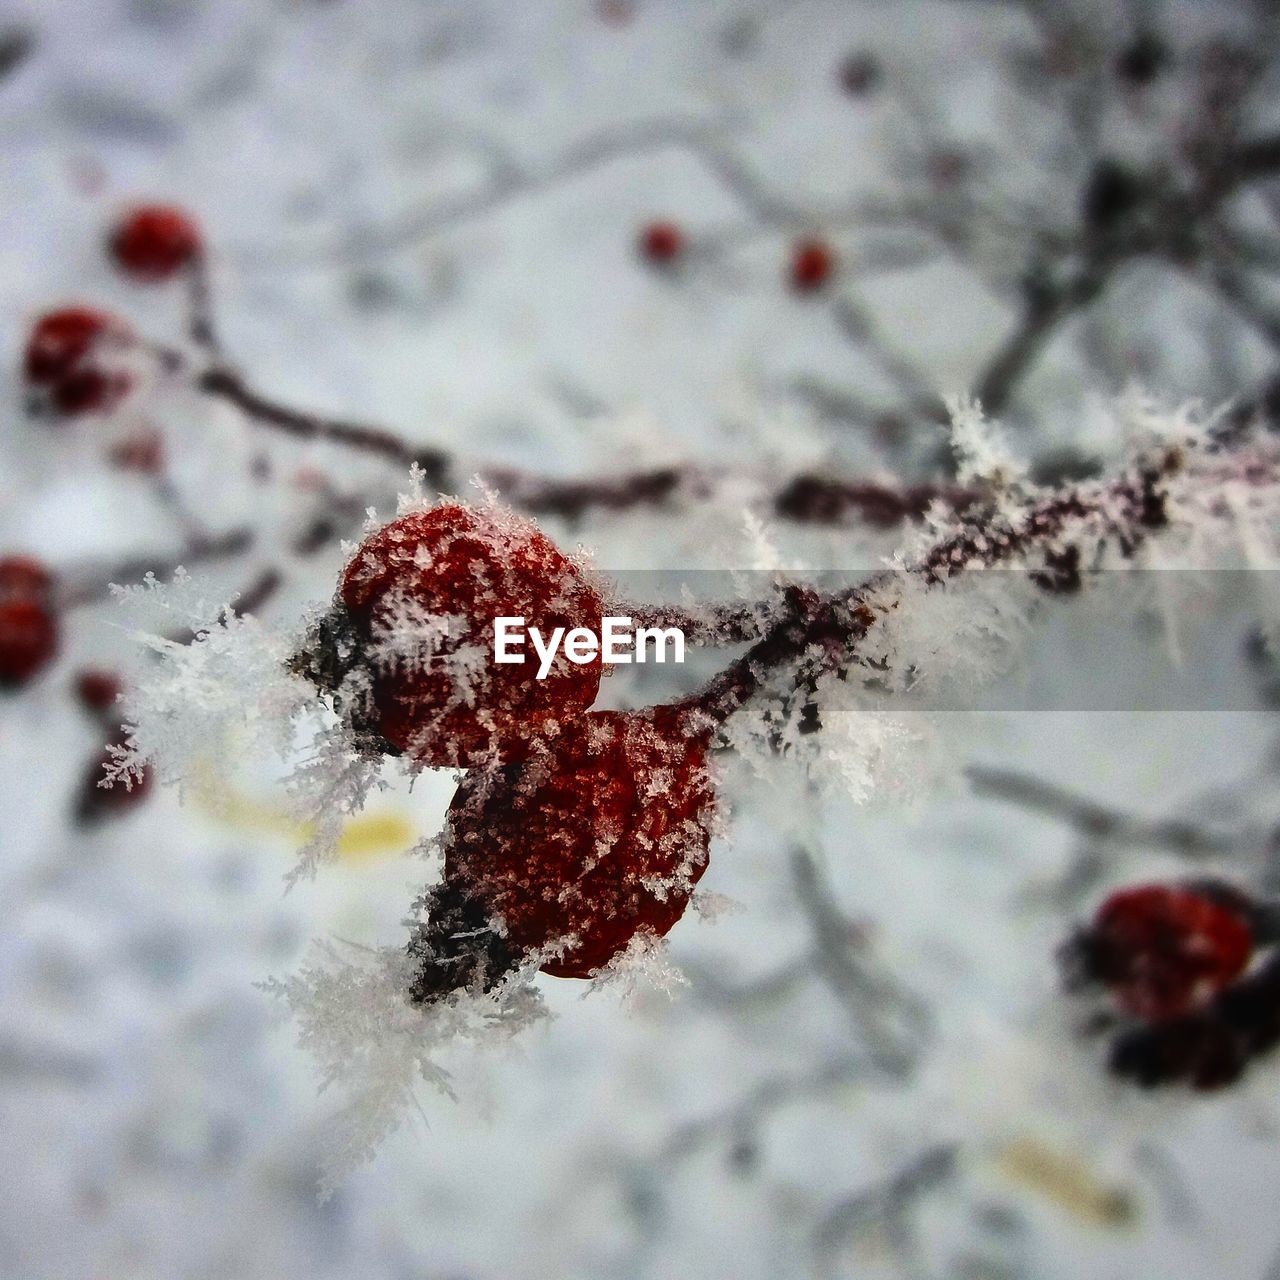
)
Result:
{"points": [[201, 327]]}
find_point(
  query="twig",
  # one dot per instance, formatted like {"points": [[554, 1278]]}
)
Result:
{"points": [[885, 1201], [226, 384], [1098, 822], [806, 498], [200, 322], [889, 1018], [1129, 508]]}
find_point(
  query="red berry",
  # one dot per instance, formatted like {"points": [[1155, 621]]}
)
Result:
{"points": [[464, 568], [601, 834], [1164, 950], [812, 263], [154, 241], [143, 452], [28, 640], [62, 360], [662, 242], [616, 13], [97, 690], [24, 578]]}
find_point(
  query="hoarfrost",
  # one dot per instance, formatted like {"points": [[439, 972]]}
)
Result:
{"points": [[228, 684], [370, 1041], [641, 968]]}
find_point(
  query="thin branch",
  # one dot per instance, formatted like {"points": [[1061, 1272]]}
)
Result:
{"points": [[1099, 822], [224, 383], [886, 1201], [201, 328], [758, 1102], [1125, 510], [806, 498]]}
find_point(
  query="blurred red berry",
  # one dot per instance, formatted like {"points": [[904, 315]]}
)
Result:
{"points": [[435, 581], [616, 13], [1164, 950], [63, 360], [662, 242], [143, 452], [98, 691], [24, 578], [152, 242], [28, 640], [812, 263], [60, 340], [600, 835]]}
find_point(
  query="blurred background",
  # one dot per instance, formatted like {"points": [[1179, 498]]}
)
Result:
{"points": [[597, 237]]}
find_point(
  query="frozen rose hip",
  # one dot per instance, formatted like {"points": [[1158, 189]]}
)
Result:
{"points": [[415, 614], [599, 835], [1163, 950]]}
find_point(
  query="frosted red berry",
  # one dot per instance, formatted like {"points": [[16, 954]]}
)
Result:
{"points": [[662, 243], [1164, 950], [154, 241], [98, 691], [28, 640], [24, 578], [67, 360], [449, 703], [600, 835], [812, 263]]}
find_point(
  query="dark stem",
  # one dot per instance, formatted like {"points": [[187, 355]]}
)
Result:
{"points": [[228, 385], [806, 498], [1127, 509], [200, 323]]}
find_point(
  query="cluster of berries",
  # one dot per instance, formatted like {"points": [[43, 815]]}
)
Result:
{"points": [[573, 830], [812, 263], [1194, 969], [74, 361]]}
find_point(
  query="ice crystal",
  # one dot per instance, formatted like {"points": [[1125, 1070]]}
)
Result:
{"points": [[355, 1019]]}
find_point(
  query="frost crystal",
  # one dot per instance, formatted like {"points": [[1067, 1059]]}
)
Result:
{"points": [[982, 453], [642, 967], [354, 1017], [226, 689]]}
